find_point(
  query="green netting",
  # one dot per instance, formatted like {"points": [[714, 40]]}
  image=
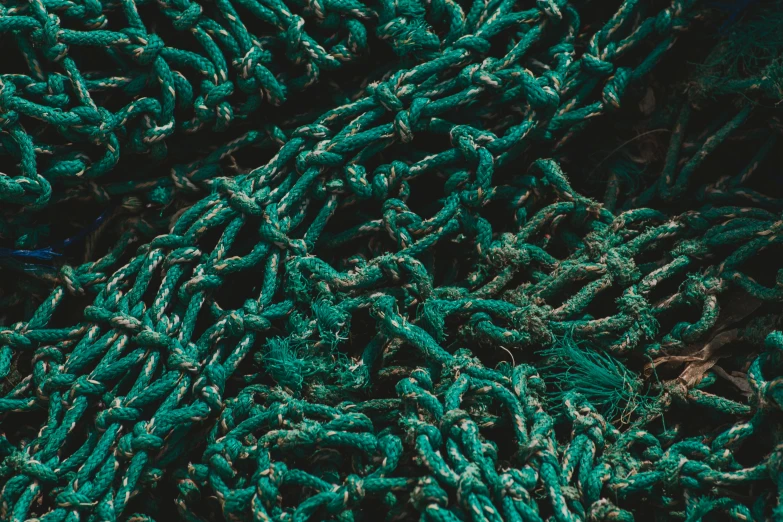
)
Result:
{"points": [[442, 260]]}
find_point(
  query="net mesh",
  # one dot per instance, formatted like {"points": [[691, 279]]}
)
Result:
{"points": [[450, 261]]}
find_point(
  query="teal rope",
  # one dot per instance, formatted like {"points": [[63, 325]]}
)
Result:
{"points": [[302, 343]]}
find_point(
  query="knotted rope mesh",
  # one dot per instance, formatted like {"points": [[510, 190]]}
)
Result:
{"points": [[492, 270]]}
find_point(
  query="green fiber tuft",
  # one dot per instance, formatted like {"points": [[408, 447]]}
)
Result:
{"points": [[604, 381]]}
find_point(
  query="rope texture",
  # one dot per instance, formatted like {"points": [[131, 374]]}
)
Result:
{"points": [[408, 311]]}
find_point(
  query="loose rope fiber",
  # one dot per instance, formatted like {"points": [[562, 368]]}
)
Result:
{"points": [[472, 283]]}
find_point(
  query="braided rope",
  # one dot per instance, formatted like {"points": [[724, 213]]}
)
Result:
{"points": [[294, 347], [103, 83]]}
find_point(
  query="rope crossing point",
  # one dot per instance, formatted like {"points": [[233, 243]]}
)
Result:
{"points": [[409, 309]]}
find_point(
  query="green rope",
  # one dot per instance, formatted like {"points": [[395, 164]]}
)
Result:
{"points": [[370, 322]]}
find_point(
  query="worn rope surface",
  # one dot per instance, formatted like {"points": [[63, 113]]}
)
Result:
{"points": [[95, 81], [157, 88], [409, 311]]}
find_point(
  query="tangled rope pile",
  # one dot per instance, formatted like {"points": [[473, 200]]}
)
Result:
{"points": [[99, 83], [410, 309], [200, 85]]}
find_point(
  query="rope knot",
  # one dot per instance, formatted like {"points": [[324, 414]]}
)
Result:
{"points": [[314, 131], [356, 177], [422, 378], [428, 494], [775, 462], [210, 385], [590, 424], [84, 386], [139, 440], [294, 37], [387, 178], [409, 35], [470, 484], [430, 432], [49, 354], [253, 57], [317, 158], [621, 266], [317, 7], [49, 36], [671, 465], [93, 8], [403, 127], [57, 96], [462, 138], [69, 498], [235, 323], [71, 281], [180, 359], [215, 102], [181, 179], [596, 66], [605, 511], [8, 117], [352, 493], [253, 75], [550, 9], [697, 287], [695, 221], [187, 18], [453, 419], [405, 121], [144, 440], [615, 87], [478, 74], [116, 414], [637, 307], [331, 321], [538, 91], [145, 48], [24, 464], [534, 320], [386, 98], [238, 198], [564, 48], [473, 43]]}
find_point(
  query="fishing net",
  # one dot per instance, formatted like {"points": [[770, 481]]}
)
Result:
{"points": [[407, 260]]}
